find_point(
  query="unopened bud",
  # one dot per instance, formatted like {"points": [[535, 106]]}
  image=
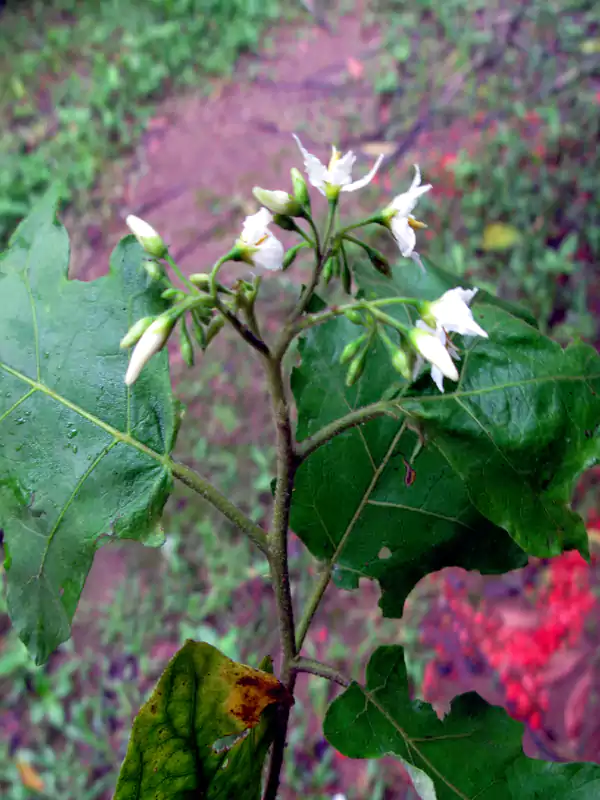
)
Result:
{"points": [[402, 363], [356, 368], [351, 349], [147, 236], [185, 344], [291, 254], [346, 275], [198, 329], [354, 316], [201, 280], [330, 270], [154, 269], [286, 223], [300, 188], [134, 334], [278, 202], [172, 294], [153, 340], [379, 261], [214, 327]]}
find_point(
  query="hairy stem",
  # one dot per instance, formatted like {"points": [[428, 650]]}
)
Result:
{"points": [[321, 670], [201, 486]]}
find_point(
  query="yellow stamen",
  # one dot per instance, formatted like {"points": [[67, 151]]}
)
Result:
{"points": [[335, 157], [415, 224]]}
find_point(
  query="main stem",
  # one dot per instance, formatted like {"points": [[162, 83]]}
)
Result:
{"points": [[278, 560]]}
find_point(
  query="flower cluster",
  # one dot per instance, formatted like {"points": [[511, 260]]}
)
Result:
{"points": [[208, 304], [518, 648]]}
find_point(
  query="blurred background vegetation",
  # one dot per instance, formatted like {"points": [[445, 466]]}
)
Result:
{"points": [[503, 100]]}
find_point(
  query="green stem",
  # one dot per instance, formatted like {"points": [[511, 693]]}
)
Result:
{"points": [[183, 278], [313, 667], [195, 481], [214, 287], [351, 420], [322, 256], [244, 331], [375, 219]]}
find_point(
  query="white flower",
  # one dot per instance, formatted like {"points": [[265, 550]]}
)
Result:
{"points": [[146, 236], [153, 340], [451, 312], [277, 201], [259, 247], [400, 219], [434, 346], [337, 176]]}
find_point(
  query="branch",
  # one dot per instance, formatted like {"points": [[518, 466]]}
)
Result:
{"points": [[205, 489], [313, 667], [243, 330], [351, 420]]}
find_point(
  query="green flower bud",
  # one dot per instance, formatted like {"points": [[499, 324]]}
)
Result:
{"points": [[402, 363], [198, 328], [278, 202], [172, 294], [346, 274], [300, 188], [354, 316], [201, 280], [153, 339], [379, 261], [134, 334], [214, 327], [185, 344], [291, 254], [286, 223], [351, 349], [356, 368], [331, 269], [154, 269]]}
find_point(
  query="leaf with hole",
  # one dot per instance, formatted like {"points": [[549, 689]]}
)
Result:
{"points": [[81, 457]]}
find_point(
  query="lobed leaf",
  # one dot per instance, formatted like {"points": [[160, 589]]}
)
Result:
{"points": [[81, 457], [474, 752]]}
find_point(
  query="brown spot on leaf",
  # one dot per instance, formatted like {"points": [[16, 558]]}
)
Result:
{"points": [[252, 692]]}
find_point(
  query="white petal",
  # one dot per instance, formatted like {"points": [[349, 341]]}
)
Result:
{"points": [[269, 254], [256, 226], [451, 312], [340, 170], [437, 376], [367, 178], [140, 228], [316, 171], [404, 235], [433, 350], [416, 181]]}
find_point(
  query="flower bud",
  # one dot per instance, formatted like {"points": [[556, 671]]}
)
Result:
{"points": [[278, 202], [134, 334], [379, 261], [356, 368], [147, 236], [186, 347], [284, 222], [355, 317], [346, 274], [154, 269], [402, 363], [351, 349], [201, 280], [172, 294], [300, 188], [214, 327], [330, 270], [154, 339], [291, 254], [198, 329]]}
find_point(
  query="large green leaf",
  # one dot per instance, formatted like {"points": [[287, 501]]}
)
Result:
{"points": [[352, 506], [81, 457], [523, 422], [475, 752], [202, 700]]}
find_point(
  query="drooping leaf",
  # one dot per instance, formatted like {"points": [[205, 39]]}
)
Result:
{"points": [[81, 457], [475, 751], [188, 739], [354, 501], [521, 425]]}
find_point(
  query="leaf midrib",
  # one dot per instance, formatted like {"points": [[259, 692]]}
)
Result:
{"points": [[126, 438]]}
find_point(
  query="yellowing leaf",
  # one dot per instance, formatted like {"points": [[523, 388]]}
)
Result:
{"points": [[202, 733], [500, 236], [30, 778]]}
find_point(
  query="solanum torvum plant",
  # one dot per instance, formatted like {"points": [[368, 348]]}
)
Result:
{"points": [[425, 424]]}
